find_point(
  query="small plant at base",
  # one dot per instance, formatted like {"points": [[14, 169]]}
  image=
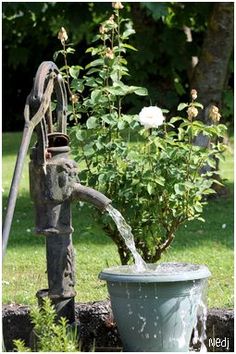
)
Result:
{"points": [[49, 335], [146, 164]]}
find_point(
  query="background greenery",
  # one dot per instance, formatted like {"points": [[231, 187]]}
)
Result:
{"points": [[163, 62], [25, 262]]}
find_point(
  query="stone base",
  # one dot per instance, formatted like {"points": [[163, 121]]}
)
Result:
{"points": [[98, 330]]}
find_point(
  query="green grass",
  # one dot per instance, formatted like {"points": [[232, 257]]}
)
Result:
{"points": [[24, 265]]}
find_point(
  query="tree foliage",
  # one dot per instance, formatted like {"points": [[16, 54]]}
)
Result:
{"points": [[162, 62]]}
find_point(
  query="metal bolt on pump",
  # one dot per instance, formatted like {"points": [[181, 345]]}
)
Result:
{"points": [[54, 184]]}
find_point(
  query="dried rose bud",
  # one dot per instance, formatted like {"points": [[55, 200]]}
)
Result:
{"points": [[109, 53], [62, 35], [193, 94], [110, 21], [102, 29], [74, 99], [192, 112], [214, 114], [117, 5]]}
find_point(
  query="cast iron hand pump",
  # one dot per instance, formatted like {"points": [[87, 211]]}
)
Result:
{"points": [[54, 184]]}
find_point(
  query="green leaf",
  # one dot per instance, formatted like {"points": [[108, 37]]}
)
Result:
{"points": [[189, 184], [175, 119], [106, 118], [127, 33], [179, 188], [116, 91], [197, 104], [92, 50], [77, 85], [91, 123], [92, 71], [95, 63], [74, 71], [160, 180], [80, 135], [182, 106], [55, 55], [198, 207], [129, 47], [70, 50], [88, 150], [149, 188], [209, 191], [121, 125], [91, 82], [141, 91], [96, 96]]}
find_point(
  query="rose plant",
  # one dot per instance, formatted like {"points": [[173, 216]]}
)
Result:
{"points": [[147, 163]]}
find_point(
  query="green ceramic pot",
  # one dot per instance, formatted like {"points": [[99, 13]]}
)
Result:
{"points": [[156, 310]]}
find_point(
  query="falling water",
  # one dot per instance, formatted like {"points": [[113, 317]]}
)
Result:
{"points": [[126, 232], [201, 321]]}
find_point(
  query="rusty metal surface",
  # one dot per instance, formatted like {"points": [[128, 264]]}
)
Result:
{"points": [[54, 184], [37, 117]]}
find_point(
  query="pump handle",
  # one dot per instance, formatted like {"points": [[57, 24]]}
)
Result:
{"points": [[38, 116]]}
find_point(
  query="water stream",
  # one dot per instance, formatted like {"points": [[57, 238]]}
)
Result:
{"points": [[126, 232]]}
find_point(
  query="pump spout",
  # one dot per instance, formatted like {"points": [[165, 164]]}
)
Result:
{"points": [[90, 195]]}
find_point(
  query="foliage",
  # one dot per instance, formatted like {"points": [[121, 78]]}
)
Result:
{"points": [[49, 335], [162, 62], [153, 176]]}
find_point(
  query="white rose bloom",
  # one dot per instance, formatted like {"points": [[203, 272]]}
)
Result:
{"points": [[151, 117]]}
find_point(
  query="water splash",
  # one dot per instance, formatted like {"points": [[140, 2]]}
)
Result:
{"points": [[201, 320], [126, 232]]}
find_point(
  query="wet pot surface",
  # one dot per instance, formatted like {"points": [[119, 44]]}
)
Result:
{"points": [[156, 310]]}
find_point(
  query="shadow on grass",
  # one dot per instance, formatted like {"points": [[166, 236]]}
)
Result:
{"points": [[218, 227]]}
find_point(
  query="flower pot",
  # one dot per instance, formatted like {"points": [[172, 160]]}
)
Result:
{"points": [[156, 310]]}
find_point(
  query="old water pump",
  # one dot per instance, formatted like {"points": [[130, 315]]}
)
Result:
{"points": [[54, 184]]}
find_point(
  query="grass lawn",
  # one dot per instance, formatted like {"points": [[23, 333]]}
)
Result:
{"points": [[24, 268]]}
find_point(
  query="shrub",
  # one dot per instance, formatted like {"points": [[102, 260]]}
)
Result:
{"points": [[147, 164], [49, 336]]}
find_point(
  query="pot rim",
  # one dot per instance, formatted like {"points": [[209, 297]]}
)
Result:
{"points": [[189, 272]]}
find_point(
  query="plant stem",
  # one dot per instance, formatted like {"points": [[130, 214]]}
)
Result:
{"points": [[68, 77]]}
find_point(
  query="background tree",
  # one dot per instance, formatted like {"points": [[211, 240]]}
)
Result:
{"points": [[212, 71]]}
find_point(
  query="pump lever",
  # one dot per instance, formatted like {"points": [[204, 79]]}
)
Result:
{"points": [[37, 105]]}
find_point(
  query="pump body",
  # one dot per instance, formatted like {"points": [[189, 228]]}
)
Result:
{"points": [[54, 185]]}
